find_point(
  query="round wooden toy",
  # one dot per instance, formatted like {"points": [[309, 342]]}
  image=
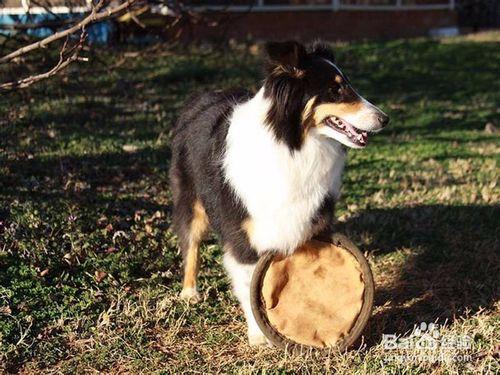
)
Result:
{"points": [[321, 296]]}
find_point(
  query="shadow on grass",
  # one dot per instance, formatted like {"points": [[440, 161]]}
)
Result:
{"points": [[113, 185], [451, 270], [450, 267]]}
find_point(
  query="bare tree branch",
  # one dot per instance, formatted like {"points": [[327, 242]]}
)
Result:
{"points": [[64, 61], [94, 16], [126, 11], [45, 7]]}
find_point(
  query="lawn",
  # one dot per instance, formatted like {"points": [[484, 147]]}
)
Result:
{"points": [[90, 272]]}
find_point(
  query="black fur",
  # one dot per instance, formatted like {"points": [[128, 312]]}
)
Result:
{"points": [[198, 143], [295, 75]]}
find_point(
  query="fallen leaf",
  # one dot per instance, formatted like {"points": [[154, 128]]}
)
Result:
{"points": [[5, 310], [99, 275], [130, 148], [110, 250], [490, 128], [68, 258]]}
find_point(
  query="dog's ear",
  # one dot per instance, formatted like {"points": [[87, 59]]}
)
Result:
{"points": [[289, 55], [321, 49], [285, 88]]}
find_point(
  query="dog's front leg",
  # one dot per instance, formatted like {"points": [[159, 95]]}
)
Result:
{"points": [[241, 276]]}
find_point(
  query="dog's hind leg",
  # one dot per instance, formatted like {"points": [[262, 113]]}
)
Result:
{"points": [[190, 239], [190, 223]]}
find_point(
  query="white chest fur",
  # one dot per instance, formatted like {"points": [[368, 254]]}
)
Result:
{"points": [[281, 190]]}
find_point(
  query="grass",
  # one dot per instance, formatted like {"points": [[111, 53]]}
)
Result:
{"points": [[89, 271]]}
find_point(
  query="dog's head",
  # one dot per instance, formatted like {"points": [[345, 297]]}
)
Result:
{"points": [[308, 92]]}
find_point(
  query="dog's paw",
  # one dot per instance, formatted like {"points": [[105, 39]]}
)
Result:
{"points": [[190, 295], [258, 339]]}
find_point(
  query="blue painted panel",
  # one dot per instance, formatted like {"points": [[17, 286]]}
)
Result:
{"points": [[101, 32]]}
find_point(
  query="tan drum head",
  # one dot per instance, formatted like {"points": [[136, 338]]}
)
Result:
{"points": [[320, 297]]}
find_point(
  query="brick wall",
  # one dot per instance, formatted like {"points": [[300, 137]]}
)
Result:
{"points": [[341, 25]]}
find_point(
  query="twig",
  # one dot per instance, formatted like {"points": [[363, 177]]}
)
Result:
{"points": [[94, 16], [46, 8], [61, 64]]}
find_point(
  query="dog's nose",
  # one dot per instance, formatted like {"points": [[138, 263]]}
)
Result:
{"points": [[383, 120]]}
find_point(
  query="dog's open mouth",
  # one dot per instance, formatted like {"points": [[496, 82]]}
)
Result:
{"points": [[355, 135]]}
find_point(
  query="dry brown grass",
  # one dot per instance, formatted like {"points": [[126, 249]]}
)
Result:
{"points": [[89, 271]]}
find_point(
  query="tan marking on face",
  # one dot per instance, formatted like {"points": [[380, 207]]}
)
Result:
{"points": [[295, 72], [308, 108], [322, 111], [199, 226], [339, 79]]}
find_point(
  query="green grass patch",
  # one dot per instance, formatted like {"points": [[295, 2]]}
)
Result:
{"points": [[89, 271]]}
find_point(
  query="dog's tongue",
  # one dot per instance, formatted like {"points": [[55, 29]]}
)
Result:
{"points": [[360, 136], [351, 129], [356, 135]]}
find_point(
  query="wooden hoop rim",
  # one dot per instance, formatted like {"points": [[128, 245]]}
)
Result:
{"points": [[281, 341]]}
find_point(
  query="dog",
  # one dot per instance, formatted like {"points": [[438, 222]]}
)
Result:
{"points": [[264, 170]]}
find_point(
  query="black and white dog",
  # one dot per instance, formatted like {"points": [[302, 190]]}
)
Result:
{"points": [[264, 170]]}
